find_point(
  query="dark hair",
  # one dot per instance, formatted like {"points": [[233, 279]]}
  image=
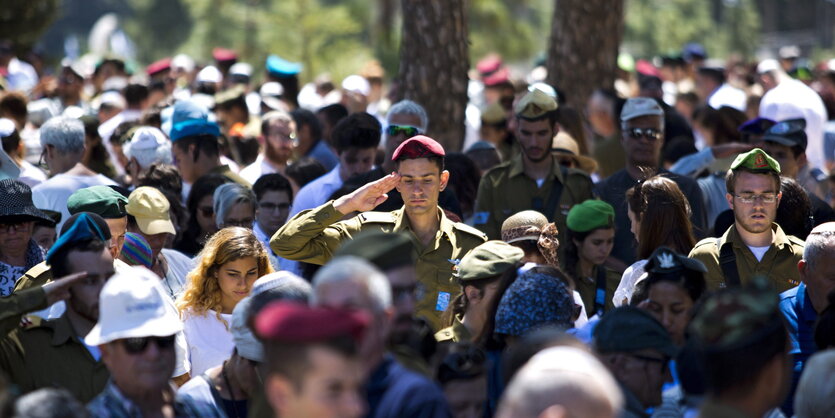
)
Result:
{"points": [[304, 170], [358, 130], [464, 179], [723, 122], [715, 74], [730, 178], [664, 214], [59, 264], [794, 213], [825, 327], [152, 116], [463, 361], [206, 144], [123, 132], [458, 305], [304, 117], [163, 177], [204, 186], [532, 343], [333, 113], [135, 94], [13, 106], [11, 142], [677, 148], [692, 282], [272, 182], [239, 102], [292, 361], [571, 255], [485, 159], [48, 402]]}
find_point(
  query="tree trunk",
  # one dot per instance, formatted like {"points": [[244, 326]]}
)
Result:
{"points": [[434, 64], [583, 48]]}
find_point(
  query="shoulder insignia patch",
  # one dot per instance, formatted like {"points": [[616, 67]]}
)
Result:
{"points": [[377, 217]]}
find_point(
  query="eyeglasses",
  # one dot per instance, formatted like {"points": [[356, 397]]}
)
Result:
{"points": [[207, 211], [651, 134], [17, 226], [751, 197], [662, 361], [269, 207], [138, 345], [406, 130], [243, 223]]}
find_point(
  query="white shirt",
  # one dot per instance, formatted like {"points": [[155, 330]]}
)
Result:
{"points": [[257, 169], [727, 95], [316, 192], [31, 175], [109, 126], [759, 252], [793, 99], [197, 389], [53, 193], [209, 342], [630, 278]]}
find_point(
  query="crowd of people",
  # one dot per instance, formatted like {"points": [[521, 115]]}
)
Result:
{"points": [[182, 240]]}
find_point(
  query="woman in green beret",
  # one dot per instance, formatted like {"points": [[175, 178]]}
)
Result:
{"points": [[591, 235]]}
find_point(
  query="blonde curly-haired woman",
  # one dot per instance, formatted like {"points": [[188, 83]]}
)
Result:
{"points": [[230, 262]]}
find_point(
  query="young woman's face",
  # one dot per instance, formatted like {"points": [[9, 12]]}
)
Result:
{"points": [[597, 246], [235, 279], [634, 222], [670, 304]]}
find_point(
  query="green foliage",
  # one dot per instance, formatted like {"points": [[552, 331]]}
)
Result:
{"points": [[518, 30], [158, 27], [664, 26], [23, 21]]}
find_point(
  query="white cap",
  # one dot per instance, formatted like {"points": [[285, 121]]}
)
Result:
{"points": [[767, 65], [111, 98], [640, 106], [147, 137], [209, 74], [131, 305], [272, 88], [545, 88], [356, 84], [116, 83], [74, 112], [183, 61], [246, 344], [7, 127], [149, 145], [241, 68]]}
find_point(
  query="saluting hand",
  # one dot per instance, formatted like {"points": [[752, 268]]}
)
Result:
{"points": [[367, 197], [59, 289]]}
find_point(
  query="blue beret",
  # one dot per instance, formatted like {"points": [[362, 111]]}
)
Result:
{"points": [[280, 66]]}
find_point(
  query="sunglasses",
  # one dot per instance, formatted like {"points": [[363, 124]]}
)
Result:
{"points": [[649, 133], [406, 130], [138, 345]]}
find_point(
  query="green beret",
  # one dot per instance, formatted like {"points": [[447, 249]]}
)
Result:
{"points": [[756, 160], [386, 250], [101, 200], [535, 105], [590, 215], [490, 259]]}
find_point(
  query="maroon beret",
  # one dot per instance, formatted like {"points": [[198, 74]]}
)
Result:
{"points": [[223, 54], [297, 323], [418, 146], [159, 66]]}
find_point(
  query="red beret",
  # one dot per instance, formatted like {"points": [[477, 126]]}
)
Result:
{"points": [[223, 54], [489, 64], [418, 146], [159, 66], [297, 323]]}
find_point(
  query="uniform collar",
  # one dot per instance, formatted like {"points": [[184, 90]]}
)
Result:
{"points": [[805, 310], [517, 167], [712, 408], [779, 239], [62, 330], [459, 329], [446, 227]]}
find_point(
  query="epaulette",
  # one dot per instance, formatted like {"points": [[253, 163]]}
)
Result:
{"points": [[33, 322], [444, 335], [469, 229], [378, 217], [796, 241]]}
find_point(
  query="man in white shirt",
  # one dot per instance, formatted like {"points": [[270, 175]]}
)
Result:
{"points": [[62, 139], [278, 137], [787, 98], [355, 138], [712, 88]]}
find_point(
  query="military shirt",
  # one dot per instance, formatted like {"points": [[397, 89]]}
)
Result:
{"points": [[587, 288], [227, 172], [314, 235], [48, 353], [505, 190], [779, 263], [456, 332]]}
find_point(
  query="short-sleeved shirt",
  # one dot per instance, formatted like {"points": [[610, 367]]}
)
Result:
{"points": [[779, 263], [314, 235], [613, 191], [209, 340], [505, 190], [53, 193]]}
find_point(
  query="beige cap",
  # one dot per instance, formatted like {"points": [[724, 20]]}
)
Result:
{"points": [[524, 225], [535, 104], [564, 143], [150, 208], [493, 113]]}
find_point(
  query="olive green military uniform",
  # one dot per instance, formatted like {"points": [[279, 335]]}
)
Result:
{"points": [[609, 154], [48, 354], [456, 332], [587, 288], [314, 235], [505, 190], [225, 171], [779, 264]]}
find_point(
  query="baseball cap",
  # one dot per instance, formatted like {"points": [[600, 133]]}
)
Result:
{"points": [[356, 84], [789, 132], [209, 74], [189, 118], [131, 305], [150, 208], [629, 329], [489, 259], [756, 160], [640, 106]]}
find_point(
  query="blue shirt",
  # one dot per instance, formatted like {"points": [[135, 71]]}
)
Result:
{"points": [[322, 153], [393, 391], [800, 321]]}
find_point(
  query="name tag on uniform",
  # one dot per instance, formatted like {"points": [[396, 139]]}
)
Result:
{"points": [[443, 301]]}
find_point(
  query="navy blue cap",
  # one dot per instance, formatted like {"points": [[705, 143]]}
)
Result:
{"points": [[756, 126]]}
